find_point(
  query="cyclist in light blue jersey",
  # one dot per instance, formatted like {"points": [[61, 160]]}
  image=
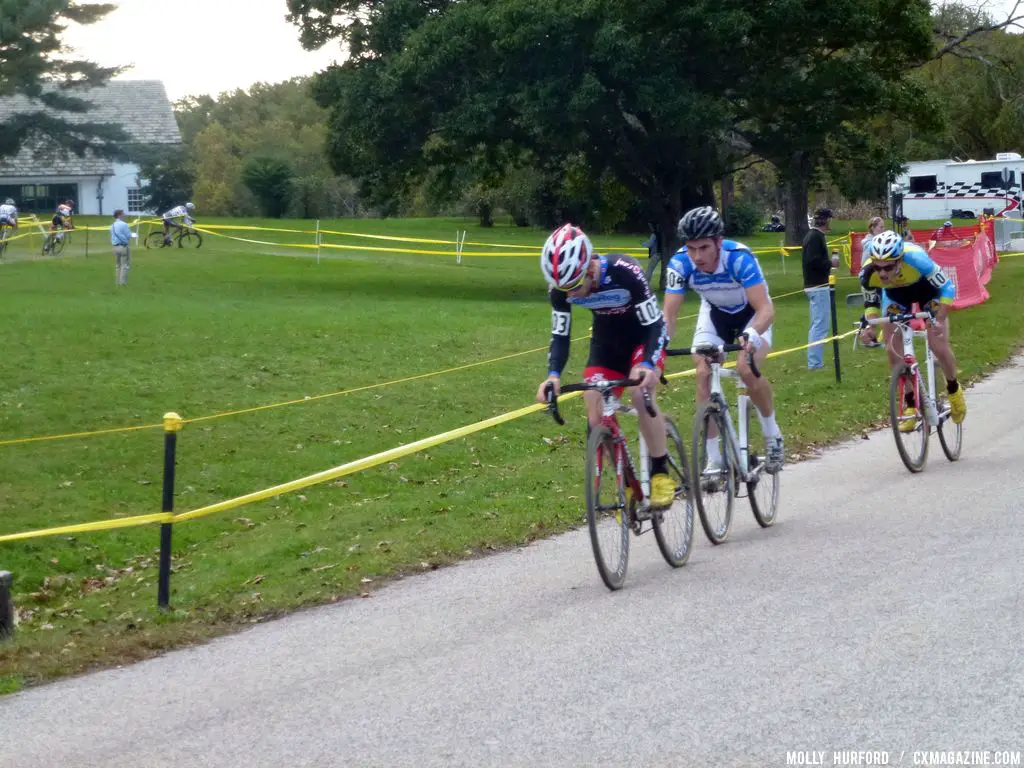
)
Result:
{"points": [[735, 308]]}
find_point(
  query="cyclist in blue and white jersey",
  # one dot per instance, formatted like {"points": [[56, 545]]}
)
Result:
{"points": [[182, 213], [735, 308]]}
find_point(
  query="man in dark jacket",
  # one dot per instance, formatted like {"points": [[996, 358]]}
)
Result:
{"points": [[817, 266]]}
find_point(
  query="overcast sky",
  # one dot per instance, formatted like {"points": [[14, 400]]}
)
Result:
{"points": [[210, 46], [200, 46]]}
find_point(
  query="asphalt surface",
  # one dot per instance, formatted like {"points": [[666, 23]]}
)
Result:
{"points": [[882, 612]]}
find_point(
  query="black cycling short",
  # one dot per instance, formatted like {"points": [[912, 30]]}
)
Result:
{"points": [[901, 299]]}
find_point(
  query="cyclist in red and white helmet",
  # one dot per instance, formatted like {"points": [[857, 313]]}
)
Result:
{"points": [[628, 337]]}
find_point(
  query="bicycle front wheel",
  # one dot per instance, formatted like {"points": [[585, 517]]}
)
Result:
{"points": [[910, 430], [190, 240], [763, 489], [713, 487], [58, 244], [951, 436], [607, 515], [673, 527]]}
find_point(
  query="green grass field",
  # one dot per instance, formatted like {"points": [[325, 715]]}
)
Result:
{"points": [[237, 325]]}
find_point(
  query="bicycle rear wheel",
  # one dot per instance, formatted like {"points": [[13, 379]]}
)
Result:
{"points": [[190, 240], [713, 493], [951, 435], [57, 245], [904, 387], [763, 492], [673, 527], [607, 515]]}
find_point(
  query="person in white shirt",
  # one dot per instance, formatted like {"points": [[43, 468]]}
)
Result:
{"points": [[182, 213], [9, 214]]}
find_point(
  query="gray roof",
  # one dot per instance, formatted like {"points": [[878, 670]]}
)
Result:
{"points": [[140, 107]]}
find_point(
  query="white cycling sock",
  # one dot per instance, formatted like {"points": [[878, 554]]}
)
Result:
{"points": [[713, 451], [769, 426]]}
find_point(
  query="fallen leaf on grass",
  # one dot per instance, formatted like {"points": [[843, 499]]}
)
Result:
{"points": [[254, 580], [326, 567], [245, 521]]}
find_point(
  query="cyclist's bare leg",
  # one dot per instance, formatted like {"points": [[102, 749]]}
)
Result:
{"points": [[758, 389], [938, 338], [594, 405], [703, 387], [651, 427]]}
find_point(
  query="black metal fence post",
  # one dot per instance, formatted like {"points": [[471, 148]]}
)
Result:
{"points": [[6, 606], [835, 326], [172, 426]]}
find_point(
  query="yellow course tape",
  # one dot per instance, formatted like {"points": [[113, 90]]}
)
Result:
{"points": [[124, 522], [352, 467]]}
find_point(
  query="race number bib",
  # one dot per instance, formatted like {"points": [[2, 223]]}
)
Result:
{"points": [[648, 311], [938, 280], [675, 281], [560, 323]]}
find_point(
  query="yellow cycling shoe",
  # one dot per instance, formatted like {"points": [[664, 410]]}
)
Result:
{"points": [[909, 424], [663, 491], [957, 406]]}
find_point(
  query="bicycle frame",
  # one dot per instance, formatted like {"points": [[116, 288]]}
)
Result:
{"points": [[738, 446], [909, 333], [640, 484]]}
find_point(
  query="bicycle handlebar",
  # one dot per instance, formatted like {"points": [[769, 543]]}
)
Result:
{"points": [[714, 350], [901, 318], [604, 387]]}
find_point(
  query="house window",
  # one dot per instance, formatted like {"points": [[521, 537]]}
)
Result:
{"points": [[39, 198], [923, 184], [135, 200]]}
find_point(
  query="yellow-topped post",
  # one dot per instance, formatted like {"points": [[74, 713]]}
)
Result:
{"points": [[172, 426], [835, 323]]}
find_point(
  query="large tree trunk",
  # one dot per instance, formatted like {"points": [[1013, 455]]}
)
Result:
{"points": [[797, 175], [728, 191]]}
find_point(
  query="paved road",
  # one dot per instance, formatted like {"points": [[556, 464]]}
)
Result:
{"points": [[857, 623]]}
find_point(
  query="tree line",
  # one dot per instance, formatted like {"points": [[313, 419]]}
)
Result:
{"points": [[614, 114]]}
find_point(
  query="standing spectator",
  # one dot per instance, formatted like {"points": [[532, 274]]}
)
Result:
{"points": [[121, 238], [654, 256], [817, 268], [875, 226], [903, 227]]}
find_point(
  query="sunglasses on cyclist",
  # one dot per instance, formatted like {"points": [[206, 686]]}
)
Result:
{"points": [[891, 266]]}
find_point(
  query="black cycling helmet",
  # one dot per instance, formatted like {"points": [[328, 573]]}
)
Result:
{"points": [[700, 222]]}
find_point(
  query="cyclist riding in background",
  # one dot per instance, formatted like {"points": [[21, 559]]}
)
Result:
{"points": [[734, 308], [899, 275], [60, 222], [9, 214], [172, 217], [628, 338]]}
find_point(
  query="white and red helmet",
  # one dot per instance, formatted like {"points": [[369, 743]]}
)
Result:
{"points": [[565, 257]]}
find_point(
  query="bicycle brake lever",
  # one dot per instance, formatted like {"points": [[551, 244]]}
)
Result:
{"points": [[549, 392], [648, 406]]}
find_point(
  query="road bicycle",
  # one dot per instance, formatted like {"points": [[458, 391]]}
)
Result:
{"points": [[910, 431], [714, 492], [56, 241], [5, 230], [183, 236], [622, 504]]}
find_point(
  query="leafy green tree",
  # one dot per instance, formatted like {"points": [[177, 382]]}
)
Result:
{"points": [[36, 65], [270, 181], [168, 180]]}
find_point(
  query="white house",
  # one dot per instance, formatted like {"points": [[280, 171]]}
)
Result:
{"points": [[38, 181], [940, 189]]}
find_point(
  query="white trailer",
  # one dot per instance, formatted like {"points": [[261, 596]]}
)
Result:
{"points": [[947, 189]]}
